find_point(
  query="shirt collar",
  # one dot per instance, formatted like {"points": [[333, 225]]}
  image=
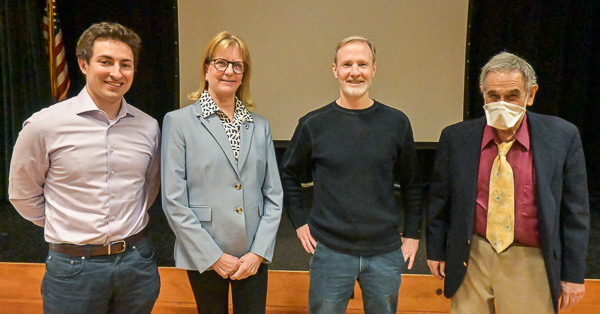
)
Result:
{"points": [[522, 135], [85, 103], [209, 107]]}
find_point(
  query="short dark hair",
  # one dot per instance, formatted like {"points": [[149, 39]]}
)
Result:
{"points": [[114, 31]]}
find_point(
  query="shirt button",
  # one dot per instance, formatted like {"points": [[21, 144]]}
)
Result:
{"points": [[113, 195], [112, 172], [112, 150], [239, 210], [238, 186], [113, 217]]}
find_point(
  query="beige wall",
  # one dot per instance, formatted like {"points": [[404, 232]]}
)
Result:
{"points": [[420, 54]]}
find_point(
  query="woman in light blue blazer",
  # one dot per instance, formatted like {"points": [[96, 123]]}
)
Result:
{"points": [[221, 190]]}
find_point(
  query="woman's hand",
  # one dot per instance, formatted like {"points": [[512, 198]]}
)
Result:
{"points": [[226, 265], [249, 264]]}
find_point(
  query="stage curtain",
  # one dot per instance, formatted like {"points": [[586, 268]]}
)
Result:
{"points": [[24, 74], [561, 40]]}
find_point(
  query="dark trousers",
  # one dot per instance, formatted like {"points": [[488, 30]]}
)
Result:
{"points": [[211, 292]]}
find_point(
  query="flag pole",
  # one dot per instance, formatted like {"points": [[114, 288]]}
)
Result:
{"points": [[50, 12]]}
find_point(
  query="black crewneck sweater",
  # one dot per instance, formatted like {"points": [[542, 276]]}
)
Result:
{"points": [[353, 157]]}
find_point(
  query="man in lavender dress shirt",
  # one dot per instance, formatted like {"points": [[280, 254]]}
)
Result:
{"points": [[87, 169]]}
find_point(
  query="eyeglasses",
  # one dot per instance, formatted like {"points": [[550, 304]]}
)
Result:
{"points": [[222, 65]]}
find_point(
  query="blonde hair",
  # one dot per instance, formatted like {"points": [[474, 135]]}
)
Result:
{"points": [[225, 40], [350, 39]]}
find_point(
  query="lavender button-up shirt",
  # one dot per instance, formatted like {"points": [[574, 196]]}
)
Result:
{"points": [[84, 178]]}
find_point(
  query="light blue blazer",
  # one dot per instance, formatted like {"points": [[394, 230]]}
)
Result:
{"points": [[214, 204]]}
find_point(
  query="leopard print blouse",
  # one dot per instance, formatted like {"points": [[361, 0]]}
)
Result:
{"points": [[232, 128]]}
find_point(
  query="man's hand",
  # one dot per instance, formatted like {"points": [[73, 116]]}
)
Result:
{"points": [[409, 249], [571, 294], [308, 242], [437, 269], [226, 265], [249, 264]]}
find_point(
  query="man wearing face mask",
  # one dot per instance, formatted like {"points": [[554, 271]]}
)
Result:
{"points": [[508, 209]]}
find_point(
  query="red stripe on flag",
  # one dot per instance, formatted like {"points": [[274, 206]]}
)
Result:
{"points": [[61, 73]]}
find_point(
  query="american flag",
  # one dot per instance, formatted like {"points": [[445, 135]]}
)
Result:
{"points": [[56, 51]]}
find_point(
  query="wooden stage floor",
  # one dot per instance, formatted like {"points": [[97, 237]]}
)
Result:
{"points": [[288, 293]]}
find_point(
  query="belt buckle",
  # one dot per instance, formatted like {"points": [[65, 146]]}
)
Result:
{"points": [[110, 252]]}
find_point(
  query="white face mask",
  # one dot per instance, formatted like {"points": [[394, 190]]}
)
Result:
{"points": [[502, 115]]}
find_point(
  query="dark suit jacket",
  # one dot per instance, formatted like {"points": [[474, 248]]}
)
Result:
{"points": [[561, 196]]}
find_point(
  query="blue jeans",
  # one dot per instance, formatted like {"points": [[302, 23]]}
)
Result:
{"points": [[127, 282], [333, 275]]}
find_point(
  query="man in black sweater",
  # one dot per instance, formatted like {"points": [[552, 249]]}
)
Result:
{"points": [[353, 150]]}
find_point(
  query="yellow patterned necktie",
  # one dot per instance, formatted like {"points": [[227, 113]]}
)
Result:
{"points": [[501, 204]]}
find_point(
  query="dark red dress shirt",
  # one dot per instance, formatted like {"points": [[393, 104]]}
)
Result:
{"points": [[520, 159]]}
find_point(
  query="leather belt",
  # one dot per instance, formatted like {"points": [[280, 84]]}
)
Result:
{"points": [[97, 249]]}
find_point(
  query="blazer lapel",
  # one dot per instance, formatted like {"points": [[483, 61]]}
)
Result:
{"points": [[471, 146], [543, 149], [215, 128], [544, 157], [246, 132]]}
